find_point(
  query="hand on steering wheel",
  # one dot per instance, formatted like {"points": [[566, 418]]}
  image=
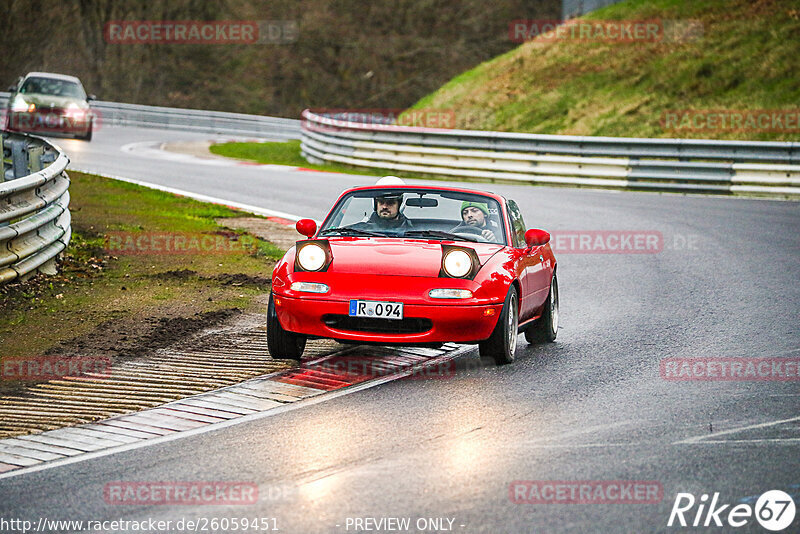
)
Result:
{"points": [[477, 232]]}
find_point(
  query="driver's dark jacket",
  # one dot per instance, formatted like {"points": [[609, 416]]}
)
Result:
{"points": [[375, 222]]}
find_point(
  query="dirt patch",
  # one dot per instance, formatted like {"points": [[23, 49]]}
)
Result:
{"points": [[176, 274], [240, 279], [128, 337], [225, 279], [134, 336], [281, 235]]}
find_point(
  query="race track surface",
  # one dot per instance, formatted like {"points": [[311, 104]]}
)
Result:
{"points": [[592, 406]]}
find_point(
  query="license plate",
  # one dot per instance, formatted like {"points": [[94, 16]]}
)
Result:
{"points": [[377, 309]]}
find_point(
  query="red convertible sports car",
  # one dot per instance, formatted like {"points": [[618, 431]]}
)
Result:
{"points": [[397, 264]]}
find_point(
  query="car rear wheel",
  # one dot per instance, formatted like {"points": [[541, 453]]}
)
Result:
{"points": [[282, 344], [545, 329], [502, 344]]}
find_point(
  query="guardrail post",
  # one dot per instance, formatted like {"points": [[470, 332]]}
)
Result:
{"points": [[19, 159], [35, 158], [48, 267]]}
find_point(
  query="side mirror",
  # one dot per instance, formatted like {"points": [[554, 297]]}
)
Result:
{"points": [[91, 97], [536, 238], [12, 88], [307, 227]]}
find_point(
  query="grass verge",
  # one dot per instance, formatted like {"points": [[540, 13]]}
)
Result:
{"points": [[288, 153], [137, 257], [745, 57]]}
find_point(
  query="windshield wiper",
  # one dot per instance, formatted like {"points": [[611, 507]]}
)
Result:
{"points": [[438, 234], [345, 230]]}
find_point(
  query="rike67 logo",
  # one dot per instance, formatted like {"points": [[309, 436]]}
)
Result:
{"points": [[774, 510]]}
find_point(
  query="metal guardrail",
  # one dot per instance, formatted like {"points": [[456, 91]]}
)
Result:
{"points": [[677, 165], [34, 199], [119, 114]]}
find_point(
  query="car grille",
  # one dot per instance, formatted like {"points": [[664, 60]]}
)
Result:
{"points": [[407, 325]]}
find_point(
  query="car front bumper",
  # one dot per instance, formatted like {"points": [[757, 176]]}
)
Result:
{"points": [[50, 123], [422, 323]]}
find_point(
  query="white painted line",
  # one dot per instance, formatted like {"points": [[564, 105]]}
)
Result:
{"points": [[63, 442], [217, 406], [170, 423], [310, 401], [100, 427], [196, 410], [284, 388], [258, 393], [197, 196], [584, 430], [18, 460], [788, 441], [95, 434], [177, 414], [64, 451], [29, 453], [582, 446], [244, 401], [68, 434], [138, 426], [698, 439], [155, 150]]}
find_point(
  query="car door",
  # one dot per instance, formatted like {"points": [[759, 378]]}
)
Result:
{"points": [[533, 272]]}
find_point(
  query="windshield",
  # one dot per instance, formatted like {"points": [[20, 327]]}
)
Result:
{"points": [[417, 213], [52, 87]]}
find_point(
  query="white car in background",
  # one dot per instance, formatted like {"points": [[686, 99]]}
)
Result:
{"points": [[50, 104]]}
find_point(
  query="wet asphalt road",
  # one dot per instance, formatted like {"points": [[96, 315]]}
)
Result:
{"points": [[591, 406]]}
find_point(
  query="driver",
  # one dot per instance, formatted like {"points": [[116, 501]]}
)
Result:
{"points": [[387, 214], [475, 216]]}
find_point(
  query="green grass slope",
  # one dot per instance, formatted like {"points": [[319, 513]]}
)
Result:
{"points": [[747, 58]]}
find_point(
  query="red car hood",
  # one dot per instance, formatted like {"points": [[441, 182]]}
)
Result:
{"points": [[409, 257]]}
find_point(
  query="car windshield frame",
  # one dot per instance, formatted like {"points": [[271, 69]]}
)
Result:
{"points": [[332, 221], [43, 81]]}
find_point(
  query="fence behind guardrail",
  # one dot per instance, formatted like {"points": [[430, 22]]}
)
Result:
{"points": [[34, 199]]}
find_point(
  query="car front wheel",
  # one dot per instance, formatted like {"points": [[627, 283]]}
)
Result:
{"points": [[282, 344], [502, 344], [89, 131], [546, 327]]}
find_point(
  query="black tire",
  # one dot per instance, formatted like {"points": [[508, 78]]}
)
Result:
{"points": [[502, 344], [282, 344], [545, 329], [88, 136]]}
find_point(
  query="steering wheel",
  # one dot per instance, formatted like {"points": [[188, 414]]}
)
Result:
{"points": [[473, 232]]}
